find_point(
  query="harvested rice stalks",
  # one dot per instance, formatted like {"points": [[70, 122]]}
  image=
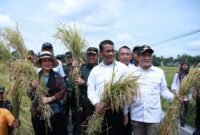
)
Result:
{"points": [[169, 125]]}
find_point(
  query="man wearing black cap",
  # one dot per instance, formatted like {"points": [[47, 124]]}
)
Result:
{"points": [[84, 103], [135, 55], [146, 112], [3, 102], [48, 47]]}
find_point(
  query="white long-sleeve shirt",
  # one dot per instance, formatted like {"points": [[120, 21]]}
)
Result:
{"points": [[175, 87], [175, 83], [99, 76], [147, 105]]}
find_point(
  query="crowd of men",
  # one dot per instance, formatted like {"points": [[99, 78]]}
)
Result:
{"points": [[78, 97]]}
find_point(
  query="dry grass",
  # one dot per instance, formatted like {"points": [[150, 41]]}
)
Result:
{"points": [[20, 73], [75, 43]]}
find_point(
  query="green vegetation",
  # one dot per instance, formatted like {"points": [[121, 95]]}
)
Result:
{"points": [[169, 73], [173, 61]]}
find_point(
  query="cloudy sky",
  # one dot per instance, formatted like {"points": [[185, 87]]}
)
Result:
{"points": [[126, 22]]}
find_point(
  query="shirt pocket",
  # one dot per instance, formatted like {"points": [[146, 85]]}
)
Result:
{"points": [[155, 83]]}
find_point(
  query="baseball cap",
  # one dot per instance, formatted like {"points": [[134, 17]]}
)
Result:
{"points": [[47, 45], [145, 48], [68, 54], [92, 50], [135, 48]]}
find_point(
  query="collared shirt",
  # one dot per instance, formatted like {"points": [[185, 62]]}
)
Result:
{"points": [[147, 105], [100, 75], [6, 119]]}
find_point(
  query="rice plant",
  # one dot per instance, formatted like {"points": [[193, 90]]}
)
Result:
{"points": [[21, 73], [169, 125], [117, 94], [75, 43]]}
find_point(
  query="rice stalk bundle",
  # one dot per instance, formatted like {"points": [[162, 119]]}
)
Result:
{"points": [[169, 125], [14, 39], [5, 54], [75, 43], [45, 109], [21, 73], [72, 39], [118, 95], [94, 122], [20, 84], [25, 72]]}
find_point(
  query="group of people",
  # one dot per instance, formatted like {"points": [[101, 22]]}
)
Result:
{"points": [[142, 117]]}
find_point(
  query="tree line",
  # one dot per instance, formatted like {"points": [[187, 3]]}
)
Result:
{"points": [[171, 61]]}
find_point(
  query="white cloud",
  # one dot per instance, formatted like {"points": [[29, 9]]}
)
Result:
{"points": [[194, 45], [124, 39], [5, 20], [68, 7], [88, 11], [104, 14], [85, 28]]}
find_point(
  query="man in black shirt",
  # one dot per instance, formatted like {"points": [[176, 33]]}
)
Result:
{"points": [[85, 108]]}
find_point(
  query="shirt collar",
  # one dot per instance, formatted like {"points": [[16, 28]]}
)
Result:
{"points": [[152, 68], [102, 64]]}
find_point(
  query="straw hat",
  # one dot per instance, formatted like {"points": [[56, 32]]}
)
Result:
{"points": [[45, 54]]}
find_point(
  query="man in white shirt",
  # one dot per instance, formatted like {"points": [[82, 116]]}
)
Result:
{"points": [[146, 112], [48, 47], [96, 81], [124, 56]]}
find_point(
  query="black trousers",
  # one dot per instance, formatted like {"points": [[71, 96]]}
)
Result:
{"points": [[57, 123], [127, 130], [70, 104], [86, 109], [184, 110], [113, 123]]}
